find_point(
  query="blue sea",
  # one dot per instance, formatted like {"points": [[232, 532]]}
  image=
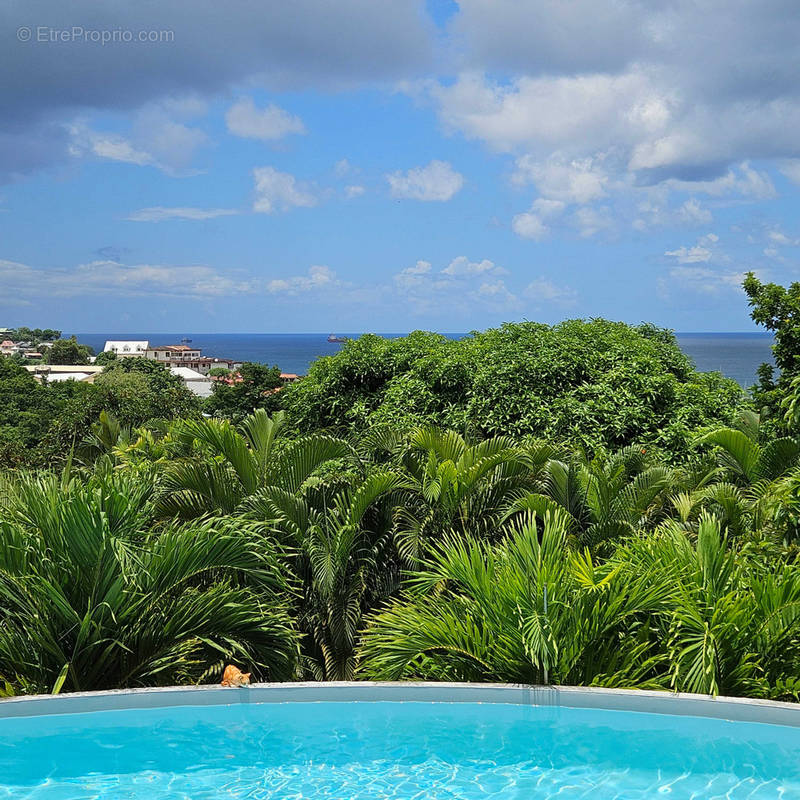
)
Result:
{"points": [[737, 355]]}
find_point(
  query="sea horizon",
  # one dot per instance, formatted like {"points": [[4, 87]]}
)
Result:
{"points": [[736, 354]]}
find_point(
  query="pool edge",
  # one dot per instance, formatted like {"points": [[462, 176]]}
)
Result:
{"points": [[654, 702]]}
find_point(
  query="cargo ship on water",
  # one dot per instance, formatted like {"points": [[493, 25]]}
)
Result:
{"points": [[333, 338]]}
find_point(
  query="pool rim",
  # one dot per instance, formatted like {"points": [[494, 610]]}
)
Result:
{"points": [[735, 709]]}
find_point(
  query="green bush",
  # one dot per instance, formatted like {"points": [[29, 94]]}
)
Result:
{"points": [[594, 382]]}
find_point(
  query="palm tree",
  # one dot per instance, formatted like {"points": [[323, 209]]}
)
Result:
{"points": [[745, 460], [90, 598], [458, 486], [528, 610], [338, 535], [729, 624], [225, 466], [602, 498]]}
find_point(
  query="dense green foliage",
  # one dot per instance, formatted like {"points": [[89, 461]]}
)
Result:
{"points": [[67, 351], [399, 554], [32, 335], [250, 388], [778, 310], [594, 382], [41, 422], [26, 411], [570, 504]]}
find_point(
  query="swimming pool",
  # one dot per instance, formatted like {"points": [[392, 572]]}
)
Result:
{"points": [[420, 742]]}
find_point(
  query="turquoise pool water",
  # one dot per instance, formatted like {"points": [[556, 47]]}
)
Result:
{"points": [[426, 751]]}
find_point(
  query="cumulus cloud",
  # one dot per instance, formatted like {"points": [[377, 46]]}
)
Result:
{"points": [[780, 238], [162, 213], [461, 265], [576, 181], [532, 224], [317, 277], [436, 182], [279, 191], [270, 123], [529, 225], [701, 252], [354, 190], [462, 284]]}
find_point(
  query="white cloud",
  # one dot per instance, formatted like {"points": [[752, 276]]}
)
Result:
{"points": [[461, 265], [593, 220], [112, 279], [158, 137], [279, 191], [693, 213], [690, 255], [544, 290], [495, 295], [741, 180], [318, 277], [462, 285], [353, 191], [268, 124], [780, 238], [576, 181], [162, 213], [701, 279], [436, 182], [700, 253], [114, 148], [529, 226], [655, 211], [343, 167]]}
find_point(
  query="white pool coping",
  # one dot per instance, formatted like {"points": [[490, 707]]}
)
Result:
{"points": [[654, 702]]}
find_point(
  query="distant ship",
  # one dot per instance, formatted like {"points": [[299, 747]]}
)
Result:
{"points": [[186, 340], [334, 338]]}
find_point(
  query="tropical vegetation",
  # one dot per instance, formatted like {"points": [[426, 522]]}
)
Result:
{"points": [[604, 515]]}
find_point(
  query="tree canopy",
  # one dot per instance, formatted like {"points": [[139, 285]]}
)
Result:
{"points": [[67, 351], [594, 382]]}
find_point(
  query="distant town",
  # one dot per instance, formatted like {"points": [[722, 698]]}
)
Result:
{"points": [[36, 346]]}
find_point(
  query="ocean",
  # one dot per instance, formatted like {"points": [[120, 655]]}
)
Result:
{"points": [[737, 355]]}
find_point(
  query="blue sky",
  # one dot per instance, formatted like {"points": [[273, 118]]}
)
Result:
{"points": [[383, 165]]}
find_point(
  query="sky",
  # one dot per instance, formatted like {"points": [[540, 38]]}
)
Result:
{"points": [[389, 165]]}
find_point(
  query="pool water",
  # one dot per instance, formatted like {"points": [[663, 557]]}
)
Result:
{"points": [[426, 751]]}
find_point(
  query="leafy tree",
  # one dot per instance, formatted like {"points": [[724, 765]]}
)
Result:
{"points": [[138, 389], [34, 335], [26, 411], [134, 391], [777, 309], [595, 383], [67, 351], [105, 358], [253, 386]]}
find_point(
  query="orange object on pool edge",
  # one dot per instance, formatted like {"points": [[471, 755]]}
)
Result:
{"points": [[233, 676]]}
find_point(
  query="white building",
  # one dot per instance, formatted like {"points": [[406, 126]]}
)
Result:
{"points": [[64, 372], [194, 381], [127, 349]]}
